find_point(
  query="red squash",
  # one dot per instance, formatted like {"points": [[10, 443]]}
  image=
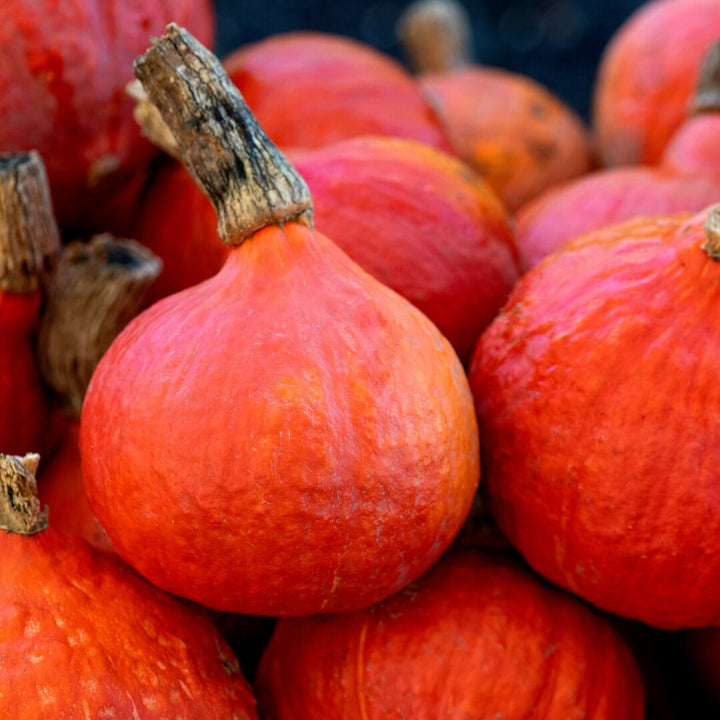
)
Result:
{"points": [[63, 72], [29, 245], [310, 89], [308, 435], [687, 178], [97, 287], [477, 636], [647, 75], [416, 219], [82, 635], [597, 398], [511, 130]]}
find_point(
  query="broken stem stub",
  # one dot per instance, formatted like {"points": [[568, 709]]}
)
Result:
{"points": [[98, 287], [707, 93], [248, 180], [20, 510], [29, 236]]}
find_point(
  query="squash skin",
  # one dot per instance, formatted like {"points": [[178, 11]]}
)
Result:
{"points": [[687, 179], [597, 398], [475, 637], [646, 77], [447, 246], [518, 136], [25, 414], [607, 197], [62, 92], [416, 219], [287, 437], [309, 89], [60, 487], [89, 637]]}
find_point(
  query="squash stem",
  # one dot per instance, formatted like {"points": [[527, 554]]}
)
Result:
{"points": [[707, 94], [435, 35], [98, 287], [29, 236], [20, 510], [248, 180], [712, 233]]}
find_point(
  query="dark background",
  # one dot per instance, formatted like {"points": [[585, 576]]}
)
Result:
{"points": [[557, 42]]}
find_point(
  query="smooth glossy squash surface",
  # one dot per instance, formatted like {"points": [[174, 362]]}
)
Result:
{"points": [[63, 73], [475, 637], [82, 635], [287, 437], [647, 76], [597, 395]]}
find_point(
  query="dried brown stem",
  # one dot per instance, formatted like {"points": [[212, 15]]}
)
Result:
{"points": [[99, 286], [435, 35], [29, 236], [248, 180], [712, 233], [707, 94], [20, 510], [151, 123]]}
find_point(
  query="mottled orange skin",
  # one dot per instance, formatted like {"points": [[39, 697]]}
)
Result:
{"points": [[60, 487], [82, 635], [647, 75], [516, 134], [686, 179], [63, 72], [476, 637], [421, 222], [287, 437], [24, 405], [416, 219], [597, 396], [310, 89]]}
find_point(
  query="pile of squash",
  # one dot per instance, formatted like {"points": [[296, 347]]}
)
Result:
{"points": [[337, 387]]}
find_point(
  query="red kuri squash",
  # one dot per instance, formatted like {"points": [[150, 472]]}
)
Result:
{"points": [[477, 636], [513, 131], [647, 75], [290, 435], [29, 247], [63, 70], [83, 635], [597, 395]]}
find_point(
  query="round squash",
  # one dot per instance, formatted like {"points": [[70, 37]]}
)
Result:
{"points": [[647, 75], [515, 133], [63, 73], [598, 404], [477, 636], [82, 635], [289, 436]]}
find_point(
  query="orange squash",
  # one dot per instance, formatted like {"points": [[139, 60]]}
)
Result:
{"points": [[415, 218], [597, 399], [82, 635], [477, 636], [29, 246], [647, 75], [510, 129], [309, 435], [62, 93], [97, 287], [687, 178], [309, 89]]}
